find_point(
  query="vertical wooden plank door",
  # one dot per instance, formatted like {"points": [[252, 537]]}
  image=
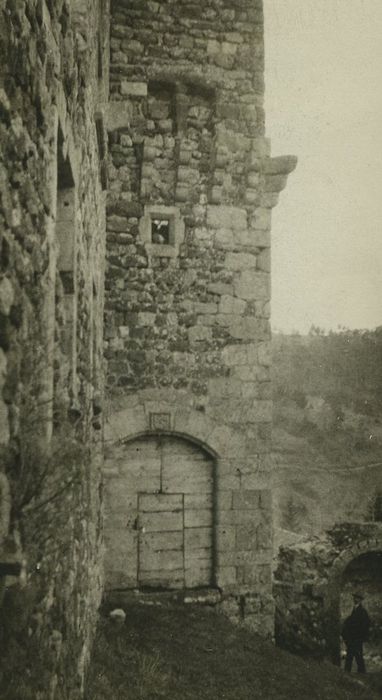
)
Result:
{"points": [[161, 541], [159, 515]]}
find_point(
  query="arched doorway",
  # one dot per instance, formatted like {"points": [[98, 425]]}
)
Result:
{"points": [[364, 573], [359, 566], [159, 514]]}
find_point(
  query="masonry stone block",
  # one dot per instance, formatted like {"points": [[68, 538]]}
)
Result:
{"points": [[246, 499], [125, 422], [7, 296], [260, 238], [252, 285], [135, 89], [253, 179], [246, 536], [264, 261], [226, 576], [240, 261], [266, 501], [234, 218], [249, 328], [264, 536], [222, 388], [146, 318], [199, 334], [264, 353], [231, 305], [262, 219], [119, 115], [251, 480], [249, 575], [197, 538], [234, 355], [225, 538], [227, 441], [224, 500], [261, 411]]}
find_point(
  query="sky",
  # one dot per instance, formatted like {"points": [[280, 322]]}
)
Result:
{"points": [[323, 83]]}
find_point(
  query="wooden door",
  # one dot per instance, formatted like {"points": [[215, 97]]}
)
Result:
{"points": [[189, 470], [161, 540], [159, 515]]}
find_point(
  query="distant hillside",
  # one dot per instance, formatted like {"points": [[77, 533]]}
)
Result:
{"points": [[328, 389], [344, 368], [327, 433]]}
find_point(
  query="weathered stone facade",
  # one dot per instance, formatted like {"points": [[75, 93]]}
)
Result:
{"points": [[192, 186], [53, 90]]}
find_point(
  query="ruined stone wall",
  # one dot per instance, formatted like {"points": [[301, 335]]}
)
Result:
{"points": [[187, 331], [53, 90], [314, 582]]}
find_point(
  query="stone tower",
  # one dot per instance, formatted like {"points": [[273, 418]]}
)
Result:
{"points": [[191, 190]]}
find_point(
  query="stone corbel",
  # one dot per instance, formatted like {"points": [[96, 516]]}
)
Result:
{"points": [[276, 171]]}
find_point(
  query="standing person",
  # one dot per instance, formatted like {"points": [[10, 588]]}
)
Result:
{"points": [[355, 632]]}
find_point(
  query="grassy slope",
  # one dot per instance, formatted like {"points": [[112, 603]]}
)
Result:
{"points": [[194, 654], [344, 371]]}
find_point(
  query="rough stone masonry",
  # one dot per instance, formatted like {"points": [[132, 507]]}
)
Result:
{"points": [[192, 187], [53, 89]]}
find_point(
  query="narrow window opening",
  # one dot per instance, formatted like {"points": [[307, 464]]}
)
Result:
{"points": [[377, 510], [160, 231], [66, 301], [102, 149], [99, 57]]}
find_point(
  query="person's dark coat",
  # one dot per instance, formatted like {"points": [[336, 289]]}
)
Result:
{"points": [[356, 627]]}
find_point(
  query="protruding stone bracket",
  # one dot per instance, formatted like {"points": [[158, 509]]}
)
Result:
{"points": [[280, 165], [276, 171]]}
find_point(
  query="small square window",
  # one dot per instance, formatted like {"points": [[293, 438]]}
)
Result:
{"points": [[160, 231]]}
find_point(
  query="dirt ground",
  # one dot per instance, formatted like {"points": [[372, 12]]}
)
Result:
{"points": [[193, 653]]}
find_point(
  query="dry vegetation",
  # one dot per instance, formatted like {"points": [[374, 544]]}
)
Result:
{"points": [[181, 653]]}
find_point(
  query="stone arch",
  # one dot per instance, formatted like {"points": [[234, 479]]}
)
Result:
{"points": [[333, 593], [173, 433], [143, 417], [160, 511]]}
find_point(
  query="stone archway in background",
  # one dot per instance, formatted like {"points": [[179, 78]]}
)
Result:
{"points": [[159, 513], [347, 573], [365, 573]]}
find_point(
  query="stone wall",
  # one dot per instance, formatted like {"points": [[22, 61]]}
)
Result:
{"points": [[314, 581], [192, 185], [52, 170]]}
